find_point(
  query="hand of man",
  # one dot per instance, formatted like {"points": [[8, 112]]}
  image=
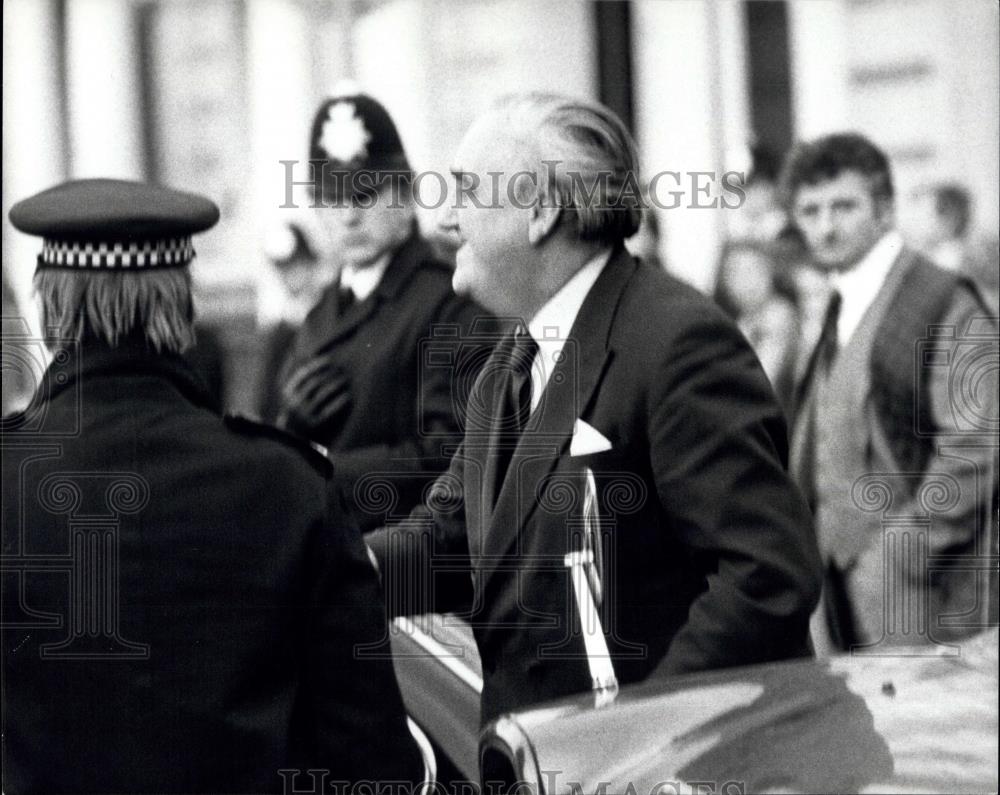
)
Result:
{"points": [[314, 396]]}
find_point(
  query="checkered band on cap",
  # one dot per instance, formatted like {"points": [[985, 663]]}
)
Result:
{"points": [[166, 253]]}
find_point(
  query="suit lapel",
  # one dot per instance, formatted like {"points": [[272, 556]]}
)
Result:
{"points": [[566, 397], [344, 325], [316, 328]]}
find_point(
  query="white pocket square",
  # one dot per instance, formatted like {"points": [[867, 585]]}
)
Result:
{"points": [[587, 440]]}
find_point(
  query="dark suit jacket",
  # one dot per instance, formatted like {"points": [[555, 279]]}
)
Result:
{"points": [[182, 597], [404, 409], [710, 558]]}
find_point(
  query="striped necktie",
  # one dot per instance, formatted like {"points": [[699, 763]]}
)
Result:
{"points": [[516, 403]]}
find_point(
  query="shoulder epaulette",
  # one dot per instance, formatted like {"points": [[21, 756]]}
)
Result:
{"points": [[314, 453]]}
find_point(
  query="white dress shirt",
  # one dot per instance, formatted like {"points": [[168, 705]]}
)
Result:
{"points": [[859, 285], [949, 254], [552, 323], [363, 281]]}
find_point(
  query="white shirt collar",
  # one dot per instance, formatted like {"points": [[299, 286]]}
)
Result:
{"points": [[363, 281], [949, 254], [293, 311], [552, 323], [859, 285]]}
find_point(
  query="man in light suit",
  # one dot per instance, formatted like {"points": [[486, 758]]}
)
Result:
{"points": [[894, 440], [708, 552]]}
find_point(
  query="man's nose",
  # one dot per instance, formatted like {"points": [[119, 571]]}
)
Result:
{"points": [[352, 214], [826, 223]]}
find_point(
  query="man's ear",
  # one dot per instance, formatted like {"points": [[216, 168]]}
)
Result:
{"points": [[543, 221], [885, 212]]}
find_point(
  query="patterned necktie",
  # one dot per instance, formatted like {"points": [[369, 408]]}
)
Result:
{"points": [[516, 405], [825, 352], [522, 355]]}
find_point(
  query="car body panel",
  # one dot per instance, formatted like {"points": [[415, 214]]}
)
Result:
{"points": [[437, 666], [901, 723], [846, 724]]}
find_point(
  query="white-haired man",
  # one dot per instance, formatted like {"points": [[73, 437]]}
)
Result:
{"points": [[709, 558], [182, 595]]}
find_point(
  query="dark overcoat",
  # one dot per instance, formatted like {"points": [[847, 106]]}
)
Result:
{"points": [[185, 599]]}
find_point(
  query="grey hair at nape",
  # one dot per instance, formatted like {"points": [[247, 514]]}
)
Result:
{"points": [[586, 158], [114, 306]]}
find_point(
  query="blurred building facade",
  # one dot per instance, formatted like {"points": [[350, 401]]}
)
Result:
{"points": [[213, 95]]}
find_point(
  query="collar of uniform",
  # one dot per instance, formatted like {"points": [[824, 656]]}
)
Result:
{"points": [[95, 359], [949, 254], [859, 285], [364, 281], [414, 251]]}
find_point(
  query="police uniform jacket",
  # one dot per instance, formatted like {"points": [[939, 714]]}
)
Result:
{"points": [[184, 599], [406, 408]]}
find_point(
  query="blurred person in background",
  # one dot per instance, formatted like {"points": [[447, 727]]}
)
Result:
{"points": [[218, 645], [747, 287], [760, 216], [354, 380], [812, 295], [867, 407], [943, 231], [811, 290]]}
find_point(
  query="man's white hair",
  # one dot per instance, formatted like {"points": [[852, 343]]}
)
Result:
{"points": [[114, 306], [586, 160]]}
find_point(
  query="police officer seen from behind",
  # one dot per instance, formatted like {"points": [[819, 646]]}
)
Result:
{"points": [[355, 380], [183, 596]]}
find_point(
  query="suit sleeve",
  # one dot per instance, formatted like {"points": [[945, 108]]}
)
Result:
{"points": [[357, 717], [958, 406], [963, 460], [423, 561], [718, 450]]}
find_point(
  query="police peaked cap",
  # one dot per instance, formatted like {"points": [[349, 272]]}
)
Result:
{"points": [[114, 224]]}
